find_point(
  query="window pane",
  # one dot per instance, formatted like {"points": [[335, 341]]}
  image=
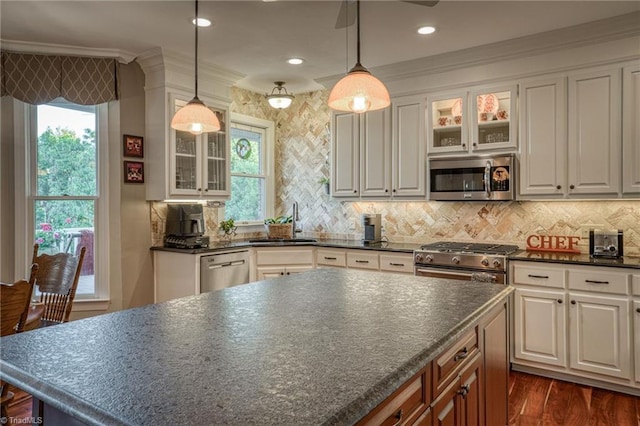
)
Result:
{"points": [[66, 226], [66, 153], [246, 151], [247, 199]]}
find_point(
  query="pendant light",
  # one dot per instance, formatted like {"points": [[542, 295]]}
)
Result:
{"points": [[359, 91], [279, 100], [195, 117]]}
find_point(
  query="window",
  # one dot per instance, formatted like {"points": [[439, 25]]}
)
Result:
{"points": [[251, 170], [65, 187]]}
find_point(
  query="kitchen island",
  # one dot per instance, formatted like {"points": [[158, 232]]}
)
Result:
{"points": [[323, 347]]}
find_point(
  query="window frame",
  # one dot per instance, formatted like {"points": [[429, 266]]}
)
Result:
{"points": [[268, 160], [26, 196]]}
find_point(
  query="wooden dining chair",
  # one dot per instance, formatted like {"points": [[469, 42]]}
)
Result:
{"points": [[14, 305], [56, 281]]}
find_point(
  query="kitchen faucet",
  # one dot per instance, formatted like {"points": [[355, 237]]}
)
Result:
{"points": [[294, 222]]}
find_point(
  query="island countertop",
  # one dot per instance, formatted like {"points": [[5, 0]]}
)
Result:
{"points": [[322, 347]]}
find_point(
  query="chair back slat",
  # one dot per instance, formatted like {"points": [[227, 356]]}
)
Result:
{"points": [[57, 281], [14, 303]]}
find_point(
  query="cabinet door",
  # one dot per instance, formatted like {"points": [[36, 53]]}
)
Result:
{"points": [[494, 121], [216, 173], [636, 337], [470, 394], [540, 326], [345, 155], [594, 132], [375, 154], [447, 122], [600, 335], [631, 130], [409, 148], [543, 137], [446, 408], [185, 166], [266, 272]]}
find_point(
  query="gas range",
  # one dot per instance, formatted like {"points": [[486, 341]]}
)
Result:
{"points": [[468, 260]]}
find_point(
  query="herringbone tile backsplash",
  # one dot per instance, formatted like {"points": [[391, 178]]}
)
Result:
{"points": [[302, 156]]}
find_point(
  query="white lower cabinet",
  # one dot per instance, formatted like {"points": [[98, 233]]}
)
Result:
{"points": [[272, 262], [577, 321], [599, 335], [540, 326], [265, 272]]}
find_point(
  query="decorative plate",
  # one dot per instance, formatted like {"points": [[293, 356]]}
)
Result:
{"points": [[488, 103], [456, 108]]}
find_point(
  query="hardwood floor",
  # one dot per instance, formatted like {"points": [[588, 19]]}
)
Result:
{"points": [[533, 401], [539, 401]]}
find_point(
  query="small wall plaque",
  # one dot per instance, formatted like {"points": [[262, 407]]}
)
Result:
{"points": [[553, 243]]}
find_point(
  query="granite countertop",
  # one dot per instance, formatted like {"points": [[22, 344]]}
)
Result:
{"points": [[345, 244], [321, 347], [575, 259]]}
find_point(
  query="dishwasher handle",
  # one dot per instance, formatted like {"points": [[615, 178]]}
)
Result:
{"points": [[225, 264]]}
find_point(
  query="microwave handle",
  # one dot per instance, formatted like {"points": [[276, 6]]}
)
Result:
{"points": [[487, 179]]}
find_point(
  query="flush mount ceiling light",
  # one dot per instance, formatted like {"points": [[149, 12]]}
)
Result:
{"points": [[279, 100], [195, 117], [201, 22], [359, 91], [426, 30], [295, 61]]}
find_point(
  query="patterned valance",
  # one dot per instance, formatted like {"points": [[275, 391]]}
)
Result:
{"points": [[38, 79]]}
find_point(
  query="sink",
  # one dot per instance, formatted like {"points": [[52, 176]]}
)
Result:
{"points": [[283, 240]]}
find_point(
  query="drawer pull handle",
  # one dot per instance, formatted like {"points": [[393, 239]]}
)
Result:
{"points": [[396, 264], [330, 258], [398, 416], [596, 282], [362, 261], [461, 355], [546, 277]]}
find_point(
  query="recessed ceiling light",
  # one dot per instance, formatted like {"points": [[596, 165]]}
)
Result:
{"points": [[295, 61], [202, 22], [426, 30]]}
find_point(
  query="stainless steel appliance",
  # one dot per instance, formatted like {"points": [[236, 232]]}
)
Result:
{"points": [[372, 224], [218, 271], [472, 178], [185, 227], [606, 243], [464, 261]]}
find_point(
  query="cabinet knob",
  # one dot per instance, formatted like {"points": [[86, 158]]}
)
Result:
{"points": [[560, 301], [573, 302], [638, 310], [386, 190], [206, 190], [281, 273], [464, 145], [475, 144], [199, 189], [559, 187], [355, 191], [393, 190], [572, 187]]}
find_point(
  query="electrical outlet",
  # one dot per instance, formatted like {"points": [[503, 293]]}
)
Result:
{"points": [[586, 227], [352, 224]]}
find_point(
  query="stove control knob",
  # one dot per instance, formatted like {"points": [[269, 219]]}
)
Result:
{"points": [[455, 259], [497, 263], [418, 257], [429, 258], [485, 262]]}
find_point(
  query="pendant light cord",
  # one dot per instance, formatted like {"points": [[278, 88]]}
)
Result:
{"points": [[358, 30], [196, 63]]}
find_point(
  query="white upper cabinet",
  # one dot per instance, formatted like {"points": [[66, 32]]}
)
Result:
{"points": [[631, 131], [543, 137], [594, 136], [345, 155], [473, 121], [375, 153]]}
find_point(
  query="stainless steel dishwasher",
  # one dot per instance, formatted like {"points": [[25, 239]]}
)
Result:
{"points": [[218, 271]]}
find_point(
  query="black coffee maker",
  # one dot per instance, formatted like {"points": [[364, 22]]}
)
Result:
{"points": [[185, 226]]}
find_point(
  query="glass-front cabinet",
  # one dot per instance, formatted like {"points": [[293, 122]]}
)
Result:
{"points": [[200, 163], [472, 121]]}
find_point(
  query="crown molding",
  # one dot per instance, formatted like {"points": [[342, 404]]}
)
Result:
{"points": [[619, 27], [122, 56]]}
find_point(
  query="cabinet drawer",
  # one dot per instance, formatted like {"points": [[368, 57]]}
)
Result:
{"points": [[601, 280], [544, 276], [331, 257], [284, 257], [452, 360], [363, 260], [403, 406], [396, 263]]}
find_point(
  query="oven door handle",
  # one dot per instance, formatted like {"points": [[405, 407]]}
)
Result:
{"points": [[471, 276], [487, 179], [447, 273]]}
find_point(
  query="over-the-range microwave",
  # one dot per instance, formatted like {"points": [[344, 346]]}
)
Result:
{"points": [[472, 178]]}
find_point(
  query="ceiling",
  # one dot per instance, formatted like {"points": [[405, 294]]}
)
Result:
{"points": [[255, 38]]}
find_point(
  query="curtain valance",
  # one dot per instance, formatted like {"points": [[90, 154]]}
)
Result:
{"points": [[38, 79]]}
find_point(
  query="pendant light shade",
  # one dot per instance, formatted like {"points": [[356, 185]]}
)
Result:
{"points": [[195, 117], [359, 91], [282, 99]]}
